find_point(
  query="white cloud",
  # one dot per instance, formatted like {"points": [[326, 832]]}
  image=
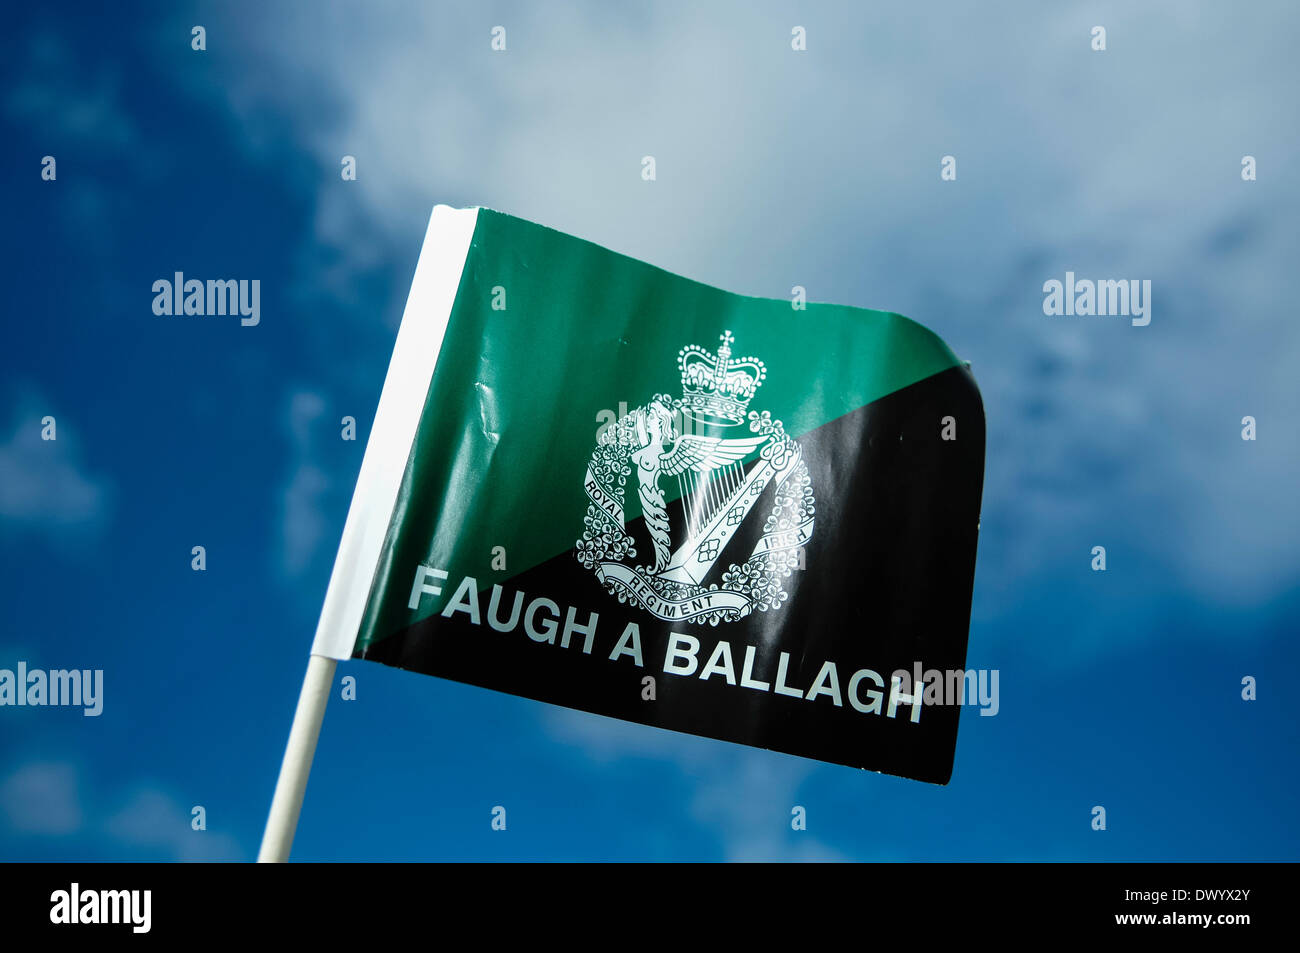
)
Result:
{"points": [[42, 485], [302, 519], [748, 804], [741, 797], [42, 799], [153, 820], [54, 95]]}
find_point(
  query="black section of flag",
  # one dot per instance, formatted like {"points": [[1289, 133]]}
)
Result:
{"points": [[887, 585]]}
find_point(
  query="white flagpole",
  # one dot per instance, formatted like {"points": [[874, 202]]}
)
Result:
{"points": [[410, 371], [289, 789]]}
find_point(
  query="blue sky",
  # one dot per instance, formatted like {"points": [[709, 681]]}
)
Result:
{"points": [[774, 168]]}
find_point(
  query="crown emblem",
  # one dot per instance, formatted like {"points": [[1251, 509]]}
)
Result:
{"points": [[718, 388]]}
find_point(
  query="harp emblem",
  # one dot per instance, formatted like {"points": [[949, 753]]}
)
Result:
{"points": [[694, 457]]}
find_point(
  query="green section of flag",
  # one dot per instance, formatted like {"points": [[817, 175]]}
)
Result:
{"points": [[518, 393]]}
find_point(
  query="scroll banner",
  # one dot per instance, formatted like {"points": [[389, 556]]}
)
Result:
{"points": [[672, 609], [603, 498], [786, 540]]}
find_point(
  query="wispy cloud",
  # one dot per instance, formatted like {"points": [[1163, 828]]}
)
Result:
{"points": [[57, 95], [302, 519], [42, 798], [742, 798], [43, 487], [47, 799], [153, 820]]}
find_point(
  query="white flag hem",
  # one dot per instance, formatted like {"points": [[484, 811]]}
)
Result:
{"points": [[401, 403]]}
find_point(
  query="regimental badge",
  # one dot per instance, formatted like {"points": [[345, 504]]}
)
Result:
{"points": [[687, 443]]}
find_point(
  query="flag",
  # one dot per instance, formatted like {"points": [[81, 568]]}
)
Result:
{"points": [[600, 485]]}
